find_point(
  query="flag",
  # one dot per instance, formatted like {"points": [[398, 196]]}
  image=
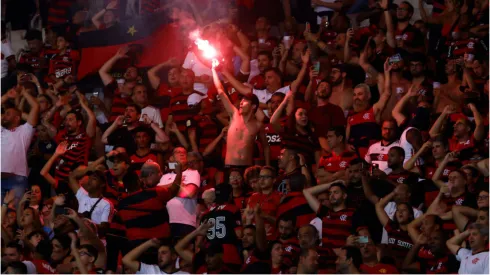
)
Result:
{"points": [[153, 39]]}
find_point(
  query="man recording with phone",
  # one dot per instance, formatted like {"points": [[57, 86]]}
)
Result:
{"points": [[182, 208]]}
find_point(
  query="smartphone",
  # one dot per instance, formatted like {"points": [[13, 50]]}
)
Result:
{"points": [[316, 66], [172, 165], [60, 210], [363, 239], [373, 167], [287, 40], [395, 58]]}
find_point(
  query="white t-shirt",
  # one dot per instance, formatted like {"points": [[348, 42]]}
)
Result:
{"points": [[378, 154], [265, 95], [472, 264], [390, 209], [14, 146], [103, 211], [254, 69], [31, 268], [192, 62], [154, 269], [153, 114], [6, 52], [182, 210]]}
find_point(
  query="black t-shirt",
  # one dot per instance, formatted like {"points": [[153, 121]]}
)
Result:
{"points": [[123, 137]]}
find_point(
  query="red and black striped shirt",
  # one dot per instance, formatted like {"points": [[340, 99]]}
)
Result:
{"points": [[206, 129], [291, 251], [119, 103], [77, 153], [336, 227], [364, 130], [138, 161], [399, 242], [295, 205], [62, 65], [306, 144], [58, 12], [144, 213], [180, 111]]}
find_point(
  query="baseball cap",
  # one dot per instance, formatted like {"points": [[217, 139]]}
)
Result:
{"points": [[195, 99]]}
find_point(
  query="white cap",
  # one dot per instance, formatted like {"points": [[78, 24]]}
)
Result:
{"points": [[194, 99]]}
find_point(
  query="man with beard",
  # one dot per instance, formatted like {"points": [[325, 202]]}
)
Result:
{"points": [[16, 139], [286, 230], [349, 260], [407, 37], [293, 165], [264, 62], [341, 88], [437, 261], [166, 259], [449, 93], [362, 124], [119, 93], [164, 91], [370, 263], [121, 132], [336, 219], [355, 172], [79, 143], [325, 115], [309, 239], [308, 262], [378, 152], [335, 162]]}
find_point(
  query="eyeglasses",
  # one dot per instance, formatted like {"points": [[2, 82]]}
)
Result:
{"points": [[401, 9], [482, 197]]}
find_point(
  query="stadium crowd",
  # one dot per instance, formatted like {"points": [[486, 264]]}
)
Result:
{"points": [[325, 137]]}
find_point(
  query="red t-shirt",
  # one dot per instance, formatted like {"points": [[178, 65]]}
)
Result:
{"points": [[269, 204]]}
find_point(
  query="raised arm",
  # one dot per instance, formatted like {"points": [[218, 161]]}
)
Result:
{"points": [[479, 133], [174, 129], [260, 233], [462, 215], [436, 128], [311, 193], [152, 73], [212, 146], [379, 106], [73, 178], [310, 93], [409, 263], [131, 259], [305, 58], [364, 63], [390, 29], [451, 156], [413, 227], [160, 134], [368, 192], [398, 109], [380, 208], [221, 92], [74, 252], [115, 125], [181, 246], [60, 150], [245, 66], [242, 89], [410, 163], [428, 19], [276, 117], [33, 117], [92, 120], [454, 244], [105, 70]]}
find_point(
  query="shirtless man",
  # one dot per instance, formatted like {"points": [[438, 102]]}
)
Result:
{"points": [[243, 127], [449, 93], [342, 92], [399, 87]]}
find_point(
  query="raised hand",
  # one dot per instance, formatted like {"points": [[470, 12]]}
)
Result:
{"points": [[349, 34], [120, 120], [9, 197], [72, 214], [387, 66], [61, 149], [112, 5], [202, 230], [122, 52], [306, 56], [449, 109], [59, 200]]}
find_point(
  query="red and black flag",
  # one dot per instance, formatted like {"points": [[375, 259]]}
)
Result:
{"points": [[152, 40]]}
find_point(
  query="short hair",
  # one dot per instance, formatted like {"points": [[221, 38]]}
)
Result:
{"points": [[33, 35], [441, 139], [482, 229], [250, 226], [78, 115], [63, 239], [197, 155], [338, 131], [45, 96], [18, 267], [418, 57], [16, 246], [138, 108], [189, 71], [365, 87], [287, 218], [266, 53], [437, 220], [24, 67], [276, 71], [251, 172], [253, 99], [281, 95], [353, 253], [91, 250], [410, 6], [357, 161], [339, 185], [297, 182], [474, 172], [484, 209], [271, 169], [44, 249], [143, 129], [399, 150]]}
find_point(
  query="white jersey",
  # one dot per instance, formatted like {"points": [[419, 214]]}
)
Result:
{"points": [[408, 148], [472, 264], [378, 154]]}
